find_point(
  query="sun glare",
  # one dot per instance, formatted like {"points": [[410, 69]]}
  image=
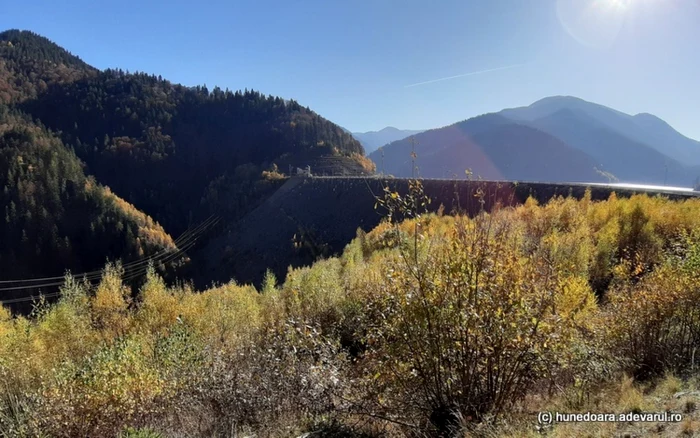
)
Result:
{"points": [[596, 23], [620, 3], [612, 4]]}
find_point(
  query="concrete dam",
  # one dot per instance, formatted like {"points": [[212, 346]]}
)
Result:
{"points": [[325, 213]]}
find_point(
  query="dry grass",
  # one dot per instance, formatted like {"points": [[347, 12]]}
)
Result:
{"points": [[668, 394]]}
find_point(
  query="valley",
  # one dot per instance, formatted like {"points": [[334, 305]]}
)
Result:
{"points": [[185, 261], [180, 155]]}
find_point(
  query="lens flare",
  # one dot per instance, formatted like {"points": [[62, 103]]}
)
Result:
{"points": [[593, 23], [619, 3]]}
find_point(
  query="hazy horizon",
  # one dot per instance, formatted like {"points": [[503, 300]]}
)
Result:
{"points": [[408, 64]]}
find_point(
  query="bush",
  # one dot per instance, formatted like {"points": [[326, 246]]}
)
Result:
{"points": [[466, 328], [273, 384], [17, 417], [656, 322], [422, 327], [139, 433], [113, 388]]}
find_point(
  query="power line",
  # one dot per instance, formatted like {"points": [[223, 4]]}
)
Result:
{"points": [[30, 298], [143, 268], [125, 277], [130, 271], [186, 235], [199, 229]]}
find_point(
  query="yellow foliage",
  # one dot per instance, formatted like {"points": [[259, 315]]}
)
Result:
{"points": [[5, 322], [158, 308], [110, 305], [313, 290], [60, 335], [431, 305], [223, 316], [576, 300], [656, 322], [115, 386], [367, 164], [149, 231]]}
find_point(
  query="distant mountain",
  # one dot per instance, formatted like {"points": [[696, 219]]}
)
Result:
{"points": [[627, 159], [642, 128], [373, 140], [554, 139], [669, 141], [491, 147]]}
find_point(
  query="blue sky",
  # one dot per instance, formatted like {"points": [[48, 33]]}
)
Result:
{"points": [[353, 61]]}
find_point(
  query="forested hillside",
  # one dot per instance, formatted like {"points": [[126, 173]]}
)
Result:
{"points": [[29, 63], [162, 145], [54, 216], [176, 153]]}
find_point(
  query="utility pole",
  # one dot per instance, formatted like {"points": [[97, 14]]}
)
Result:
{"points": [[381, 150], [413, 156]]}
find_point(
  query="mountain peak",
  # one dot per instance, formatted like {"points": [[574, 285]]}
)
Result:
{"points": [[375, 139], [389, 130], [574, 103], [650, 118], [23, 44], [631, 145], [558, 98]]}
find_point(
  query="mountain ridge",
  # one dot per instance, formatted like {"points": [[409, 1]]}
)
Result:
{"points": [[174, 153], [373, 140], [123, 123], [485, 146], [596, 131], [643, 128], [627, 159]]}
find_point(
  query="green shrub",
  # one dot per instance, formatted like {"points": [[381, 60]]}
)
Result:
{"points": [[18, 415], [140, 433]]}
